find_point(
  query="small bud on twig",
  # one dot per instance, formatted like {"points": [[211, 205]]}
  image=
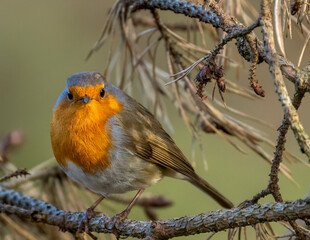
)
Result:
{"points": [[208, 72], [258, 89], [295, 6]]}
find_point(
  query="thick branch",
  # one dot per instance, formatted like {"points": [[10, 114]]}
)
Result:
{"points": [[213, 15], [12, 202]]}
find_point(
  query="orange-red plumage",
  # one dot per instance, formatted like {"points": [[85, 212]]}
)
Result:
{"points": [[79, 132]]}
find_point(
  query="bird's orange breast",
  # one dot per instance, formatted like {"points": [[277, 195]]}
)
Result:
{"points": [[81, 133]]}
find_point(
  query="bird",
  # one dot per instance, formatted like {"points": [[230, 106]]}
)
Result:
{"points": [[106, 141]]}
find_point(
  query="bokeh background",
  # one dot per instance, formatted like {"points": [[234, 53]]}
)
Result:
{"points": [[43, 42]]}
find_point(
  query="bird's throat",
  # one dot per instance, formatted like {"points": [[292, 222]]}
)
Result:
{"points": [[81, 134]]}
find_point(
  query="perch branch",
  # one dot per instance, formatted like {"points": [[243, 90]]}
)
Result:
{"points": [[25, 207]]}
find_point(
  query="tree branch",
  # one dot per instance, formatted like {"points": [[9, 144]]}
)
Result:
{"points": [[25, 207]]}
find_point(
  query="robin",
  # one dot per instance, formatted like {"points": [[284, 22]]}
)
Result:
{"points": [[105, 140]]}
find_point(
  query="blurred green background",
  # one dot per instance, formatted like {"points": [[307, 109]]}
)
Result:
{"points": [[43, 42]]}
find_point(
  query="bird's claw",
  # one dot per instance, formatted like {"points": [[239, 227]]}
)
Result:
{"points": [[89, 214], [83, 227], [116, 220]]}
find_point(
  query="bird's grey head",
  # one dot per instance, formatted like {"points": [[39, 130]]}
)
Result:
{"points": [[85, 79], [80, 79]]}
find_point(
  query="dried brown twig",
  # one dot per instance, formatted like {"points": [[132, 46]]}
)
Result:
{"points": [[17, 173]]}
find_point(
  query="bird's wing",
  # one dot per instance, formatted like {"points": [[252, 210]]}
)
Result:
{"points": [[148, 140], [165, 155]]}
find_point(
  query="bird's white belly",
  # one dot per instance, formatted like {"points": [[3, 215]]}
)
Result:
{"points": [[121, 176]]}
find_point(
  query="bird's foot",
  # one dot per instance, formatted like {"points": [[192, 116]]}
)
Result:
{"points": [[117, 219], [89, 214]]}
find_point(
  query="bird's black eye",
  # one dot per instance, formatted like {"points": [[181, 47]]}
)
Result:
{"points": [[102, 93], [70, 96]]}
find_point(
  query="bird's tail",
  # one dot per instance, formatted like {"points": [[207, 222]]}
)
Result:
{"points": [[211, 191]]}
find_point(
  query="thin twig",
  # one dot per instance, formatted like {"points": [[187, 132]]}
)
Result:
{"points": [[216, 50], [17, 173]]}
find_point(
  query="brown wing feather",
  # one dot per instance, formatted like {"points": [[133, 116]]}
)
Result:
{"points": [[170, 157], [149, 141]]}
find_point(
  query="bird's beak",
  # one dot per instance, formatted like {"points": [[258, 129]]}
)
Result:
{"points": [[85, 99]]}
